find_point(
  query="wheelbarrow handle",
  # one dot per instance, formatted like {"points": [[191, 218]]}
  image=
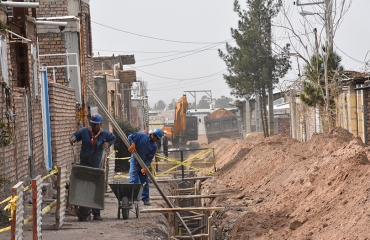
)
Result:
{"points": [[74, 152]]}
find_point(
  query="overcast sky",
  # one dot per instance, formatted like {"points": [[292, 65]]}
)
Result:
{"points": [[175, 42]]}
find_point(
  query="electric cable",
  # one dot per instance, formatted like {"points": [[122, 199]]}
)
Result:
{"points": [[160, 39]]}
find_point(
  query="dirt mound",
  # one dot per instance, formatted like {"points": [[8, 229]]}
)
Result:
{"points": [[281, 188], [219, 113]]}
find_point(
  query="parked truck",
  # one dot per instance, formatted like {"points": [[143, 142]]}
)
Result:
{"points": [[184, 127], [222, 124]]}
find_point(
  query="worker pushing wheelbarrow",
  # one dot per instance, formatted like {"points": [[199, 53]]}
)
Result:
{"points": [[86, 190]]}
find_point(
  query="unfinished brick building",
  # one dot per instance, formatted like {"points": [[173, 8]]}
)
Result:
{"points": [[35, 134]]}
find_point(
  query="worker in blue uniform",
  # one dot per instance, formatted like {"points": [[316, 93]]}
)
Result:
{"points": [[94, 141], [145, 145]]}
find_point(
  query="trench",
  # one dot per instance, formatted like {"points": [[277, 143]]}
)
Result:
{"points": [[184, 188]]}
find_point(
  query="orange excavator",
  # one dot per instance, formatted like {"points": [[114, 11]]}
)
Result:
{"points": [[184, 127]]}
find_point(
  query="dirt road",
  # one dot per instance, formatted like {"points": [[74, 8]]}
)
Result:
{"points": [[147, 226]]}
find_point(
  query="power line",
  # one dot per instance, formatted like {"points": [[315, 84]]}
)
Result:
{"points": [[161, 89], [106, 50], [214, 45], [358, 61], [181, 79], [179, 84], [160, 39]]}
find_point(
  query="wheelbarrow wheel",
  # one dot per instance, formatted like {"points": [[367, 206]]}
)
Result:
{"points": [[137, 209], [125, 208], [83, 213]]}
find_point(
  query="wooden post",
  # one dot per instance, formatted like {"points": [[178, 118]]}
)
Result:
{"points": [[16, 231], [61, 197], [109, 171], [36, 208]]}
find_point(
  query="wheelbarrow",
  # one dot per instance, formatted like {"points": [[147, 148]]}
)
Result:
{"points": [[86, 188], [128, 196]]}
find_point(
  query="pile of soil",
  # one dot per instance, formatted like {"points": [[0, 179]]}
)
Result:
{"points": [[281, 188], [219, 113]]}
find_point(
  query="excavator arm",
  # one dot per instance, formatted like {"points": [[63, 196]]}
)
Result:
{"points": [[177, 132]]}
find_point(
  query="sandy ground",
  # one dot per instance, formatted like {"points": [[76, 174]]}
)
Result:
{"points": [[284, 189]]}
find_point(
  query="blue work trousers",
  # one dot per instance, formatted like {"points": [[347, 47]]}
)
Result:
{"points": [[137, 177]]}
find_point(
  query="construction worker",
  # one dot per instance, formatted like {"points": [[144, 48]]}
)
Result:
{"points": [[145, 145], [94, 141]]}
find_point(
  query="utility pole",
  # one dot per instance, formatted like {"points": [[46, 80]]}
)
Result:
{"points": [[328, 47], [193, 93]]}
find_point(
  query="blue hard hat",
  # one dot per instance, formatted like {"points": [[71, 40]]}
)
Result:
{"points": [[158, 132], [96, 118]]}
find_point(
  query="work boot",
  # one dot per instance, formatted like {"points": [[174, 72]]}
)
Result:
{"points": [[146, 203], [97, 217]]}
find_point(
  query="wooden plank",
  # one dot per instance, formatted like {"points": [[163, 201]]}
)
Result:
{"points": [[148, 210], [182, 179], [191, 237], [190, 196]]}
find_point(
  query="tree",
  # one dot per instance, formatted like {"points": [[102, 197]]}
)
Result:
{"points": [[160, 105], [204, 103], [191, 105], [313, 89], [122, 165], [223, 102], [171, 106], [305, 42], [252, 68]]}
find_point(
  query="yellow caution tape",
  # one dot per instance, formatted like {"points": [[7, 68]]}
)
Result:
{"points": [[6, 200], [52, 172], [12, 206], [125, 158], [44, 211], [5, 229], [186, 163]]}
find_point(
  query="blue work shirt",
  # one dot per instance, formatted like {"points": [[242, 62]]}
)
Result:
{"points": [[144, 147], [89, 156]]}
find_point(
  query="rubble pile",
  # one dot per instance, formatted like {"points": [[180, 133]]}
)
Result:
{"points": [[281, 188], [219, 113]]}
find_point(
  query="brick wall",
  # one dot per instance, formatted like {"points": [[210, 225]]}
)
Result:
{"points": [[366, 93], [51, 39], [23, 159], [88, 56], [284, 126], [63, 121]]}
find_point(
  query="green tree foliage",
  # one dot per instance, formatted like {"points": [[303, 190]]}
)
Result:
{"points": [[160, 105], [120, 146], [313, 90], [191, 105], [171, 106], [223, 102], [204, 103], [252, 67], [313, 93]]}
